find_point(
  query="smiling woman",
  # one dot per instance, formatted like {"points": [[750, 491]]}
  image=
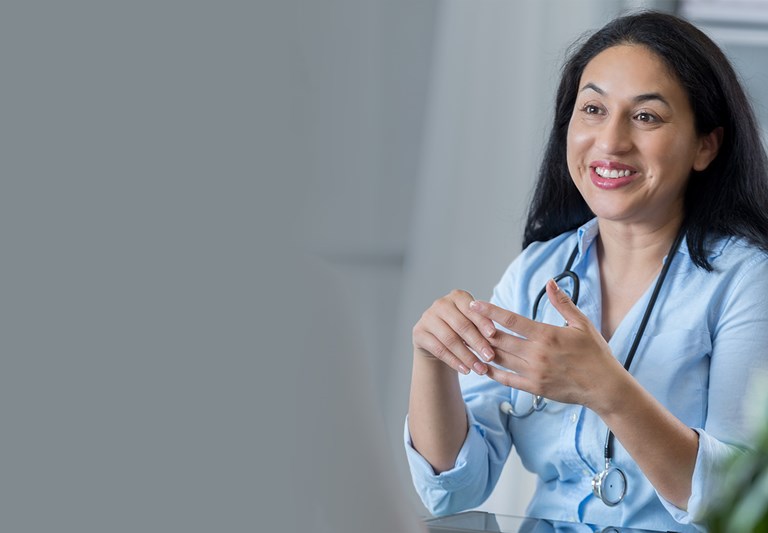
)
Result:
{"points": [[632, 140], [653, 193], [632, 144]]}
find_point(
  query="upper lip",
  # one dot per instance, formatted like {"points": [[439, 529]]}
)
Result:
{"points": [[612, 165]]}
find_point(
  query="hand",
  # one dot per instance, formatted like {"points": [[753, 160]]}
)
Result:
{"points": [[449, 328], [565, 364]]}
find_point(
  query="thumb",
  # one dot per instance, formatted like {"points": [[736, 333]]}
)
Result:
{"points": [[564, 305]]}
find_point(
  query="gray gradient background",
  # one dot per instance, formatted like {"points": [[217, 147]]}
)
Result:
{"points": [[149, 152], [166, 167]]}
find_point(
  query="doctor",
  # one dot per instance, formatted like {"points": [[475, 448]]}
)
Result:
{"points": [[652, 196]]}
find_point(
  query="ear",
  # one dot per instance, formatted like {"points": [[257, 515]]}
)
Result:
{"points": [[709, 145]]}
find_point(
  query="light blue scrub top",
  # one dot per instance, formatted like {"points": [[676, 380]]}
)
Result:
{"points": [[706, 339]]}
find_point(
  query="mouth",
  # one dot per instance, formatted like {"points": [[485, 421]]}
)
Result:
{"points": [[611, 175]]}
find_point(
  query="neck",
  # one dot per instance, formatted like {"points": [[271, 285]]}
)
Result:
{"points": [[629, 261], [633, 249]]}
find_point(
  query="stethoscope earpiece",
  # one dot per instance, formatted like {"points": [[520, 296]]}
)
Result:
{"points": [[539, 403]]}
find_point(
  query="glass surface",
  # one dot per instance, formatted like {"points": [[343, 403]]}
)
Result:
{"points": [[481, 521]]}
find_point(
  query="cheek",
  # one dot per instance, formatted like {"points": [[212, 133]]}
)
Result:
{"points": [[673, 159], [576, 143]]}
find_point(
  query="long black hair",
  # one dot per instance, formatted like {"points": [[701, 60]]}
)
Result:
{"points": [[729, 197]]}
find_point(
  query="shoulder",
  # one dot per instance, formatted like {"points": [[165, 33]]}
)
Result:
{"points": [[738, 283], [732, 255], [555, 251], [541, 251]]}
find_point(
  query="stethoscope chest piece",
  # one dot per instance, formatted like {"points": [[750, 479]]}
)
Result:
{"points": [[610, 485]]}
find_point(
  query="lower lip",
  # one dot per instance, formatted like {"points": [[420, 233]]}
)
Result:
{"points": [[610, 183]]}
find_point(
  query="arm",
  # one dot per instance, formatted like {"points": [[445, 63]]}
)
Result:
{"points": [[456, 439], [437, 418], [662, 446]]}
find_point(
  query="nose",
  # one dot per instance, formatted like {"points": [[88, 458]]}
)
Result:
{"points": [[614, 136]]}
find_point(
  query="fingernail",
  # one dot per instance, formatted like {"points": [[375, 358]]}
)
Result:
{"points": [[480, 368], [474, 304], [489, 332], [487, 353], [555, 286], [463, 369]]}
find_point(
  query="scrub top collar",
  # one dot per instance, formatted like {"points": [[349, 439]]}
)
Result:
{"points": [[587, 234]]}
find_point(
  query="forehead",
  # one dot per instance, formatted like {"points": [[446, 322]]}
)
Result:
{"points": [[629, 70]]}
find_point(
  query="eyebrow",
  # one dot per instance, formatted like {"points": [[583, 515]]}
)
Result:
{"points": [[640, 98]]}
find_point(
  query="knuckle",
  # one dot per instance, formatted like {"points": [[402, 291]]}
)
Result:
{"points": [[460, 295], [465, 328], [453, 341], [538, 376], [425, 316], [437, 304], [548, 338], [506, 378], [509, 321], [439, 351]]}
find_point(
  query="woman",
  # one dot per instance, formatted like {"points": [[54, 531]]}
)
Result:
{"points": [[653, 194]]}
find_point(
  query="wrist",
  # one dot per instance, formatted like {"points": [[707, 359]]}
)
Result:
{"points": [[610, 392]]}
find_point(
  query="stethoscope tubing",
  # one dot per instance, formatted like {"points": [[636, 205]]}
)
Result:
{"points": [[601, 483]]}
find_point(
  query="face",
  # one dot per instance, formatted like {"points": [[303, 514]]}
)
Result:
{"points": [[631, 139]]}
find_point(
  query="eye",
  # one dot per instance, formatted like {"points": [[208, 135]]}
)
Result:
{"points": [[648, 118], [591, 109]]}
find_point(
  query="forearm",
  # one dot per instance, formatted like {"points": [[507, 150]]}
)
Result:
{"points": [[662, 446], [437, 418]]}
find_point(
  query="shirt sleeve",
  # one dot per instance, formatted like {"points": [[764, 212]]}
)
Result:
{"points": [[740, 341], [465, 486]]}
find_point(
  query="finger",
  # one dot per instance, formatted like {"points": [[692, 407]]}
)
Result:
{"points": [[507, 319], [462, 300], [429, 343], [484, 325], [510, 379], [512, 352], [564, 305], [449, 345], [468, 331]]}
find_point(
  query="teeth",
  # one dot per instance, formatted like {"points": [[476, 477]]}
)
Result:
{"points": [[607, 173]]}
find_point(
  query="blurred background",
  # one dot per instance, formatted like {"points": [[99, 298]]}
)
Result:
{"points": [[166, 364]]}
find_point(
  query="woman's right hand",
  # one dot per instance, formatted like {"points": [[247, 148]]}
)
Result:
{"points": [[449, 330]]}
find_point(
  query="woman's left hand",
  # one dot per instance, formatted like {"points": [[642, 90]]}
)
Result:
{"points": [[565, 364]]}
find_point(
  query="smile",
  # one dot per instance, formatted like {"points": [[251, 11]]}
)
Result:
{"points": [[612, 173]]}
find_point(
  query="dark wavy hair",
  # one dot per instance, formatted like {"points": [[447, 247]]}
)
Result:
{"points": [[730, 197]]}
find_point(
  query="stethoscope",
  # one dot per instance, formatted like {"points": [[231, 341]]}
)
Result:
{"points": [[610, 485]]}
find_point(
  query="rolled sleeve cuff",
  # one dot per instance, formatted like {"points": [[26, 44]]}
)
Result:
{"points": [[711, 458], [438, 491]]}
